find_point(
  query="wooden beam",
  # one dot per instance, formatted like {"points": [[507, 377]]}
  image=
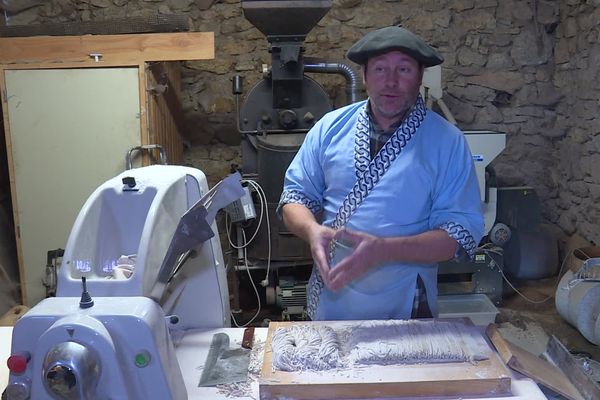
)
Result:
{"points": [[123, 49], [170, 94], [13, 187]]}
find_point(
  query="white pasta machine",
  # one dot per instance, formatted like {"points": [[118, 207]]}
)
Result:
{"points": [[143, 259]]}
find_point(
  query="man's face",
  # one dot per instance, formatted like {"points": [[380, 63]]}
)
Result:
{"points": [[392, 81]]}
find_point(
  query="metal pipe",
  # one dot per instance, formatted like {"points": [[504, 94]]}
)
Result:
{"points": [[322, 66], [147, 147]]}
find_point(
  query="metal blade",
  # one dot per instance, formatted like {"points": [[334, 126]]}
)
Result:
{"points": [[224, 365]]}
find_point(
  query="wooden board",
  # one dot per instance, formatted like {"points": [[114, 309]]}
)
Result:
{"points": [[530, 365], [440, 380], [121, 49]]}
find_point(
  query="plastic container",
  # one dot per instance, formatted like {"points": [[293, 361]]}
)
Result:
{"points": [[476, 306]]}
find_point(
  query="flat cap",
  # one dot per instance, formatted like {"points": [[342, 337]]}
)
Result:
{"points": [[393, 38]]}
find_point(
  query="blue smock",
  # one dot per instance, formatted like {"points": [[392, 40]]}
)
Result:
{"points": [[422, 179]]}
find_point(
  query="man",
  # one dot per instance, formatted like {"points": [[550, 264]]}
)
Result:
{"points": [[388, 178]]}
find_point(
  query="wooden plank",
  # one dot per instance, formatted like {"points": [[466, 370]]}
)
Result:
{"points": [[165, 78], [163, 112], [126, 49], [459, 379], [11, 180], [541, 371], [144, 115]]}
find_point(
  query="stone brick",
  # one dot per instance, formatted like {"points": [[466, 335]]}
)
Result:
{"points": [[342, 15], [474, 20], [586, 165], [507, 81], [531, 47], [464, 112], [462, 5], [590, 229], [180, 5], [596, 143], [579, 188], [594, 191], [567, 222], [204, 4], [561, 51], [547, 12], [486, 3], [469, 57], [595, 168], [570, 27], [512, 116], [101, 3], [547, 94], [489, 115], [347, 3], [499, 61], [521, 11], [497, 39]]}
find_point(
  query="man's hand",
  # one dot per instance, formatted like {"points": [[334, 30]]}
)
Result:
{"points": [[319, 238], [367, 249], [370, 251]]}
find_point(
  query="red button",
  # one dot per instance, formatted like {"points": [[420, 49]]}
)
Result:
{"points": [[17, 363]]}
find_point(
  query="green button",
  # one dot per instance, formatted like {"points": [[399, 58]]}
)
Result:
{"points": [[142, 359]]}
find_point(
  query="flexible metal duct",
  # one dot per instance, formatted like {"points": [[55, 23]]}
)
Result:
{"points": [[328, 67]]}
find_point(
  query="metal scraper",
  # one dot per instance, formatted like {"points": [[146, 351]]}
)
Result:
{"points": [[224, 365]]}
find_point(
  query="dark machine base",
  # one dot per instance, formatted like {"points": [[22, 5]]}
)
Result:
{"points": [[482, 275]]}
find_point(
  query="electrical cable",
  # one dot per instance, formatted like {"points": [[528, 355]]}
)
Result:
{"points": [[264, 210], [253, 286], [485, 248], [263, 199], [228, 227]]}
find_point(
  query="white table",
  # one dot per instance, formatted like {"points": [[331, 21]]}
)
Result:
{"points": [[192, 350]]}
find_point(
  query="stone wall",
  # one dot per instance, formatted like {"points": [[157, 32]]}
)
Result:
{"points": [[573, 183], [524, 67]]}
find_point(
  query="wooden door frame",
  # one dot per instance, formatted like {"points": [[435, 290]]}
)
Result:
{"points": [[93, 51]]}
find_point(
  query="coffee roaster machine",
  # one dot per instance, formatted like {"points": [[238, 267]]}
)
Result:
{"points": [[273, 119]]}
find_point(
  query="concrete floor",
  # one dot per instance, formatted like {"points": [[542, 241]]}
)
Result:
{"points": [[533, 319]]}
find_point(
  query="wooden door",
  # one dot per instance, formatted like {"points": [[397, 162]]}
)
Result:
{"points": [[73, 106], [69, 131]]}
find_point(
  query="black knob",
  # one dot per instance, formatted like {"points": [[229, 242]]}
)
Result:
{"points": [[129, 181], [288, 119], [86, 300]]}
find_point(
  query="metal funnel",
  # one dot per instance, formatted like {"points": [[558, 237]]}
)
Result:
{"points": [[285, 18]]}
